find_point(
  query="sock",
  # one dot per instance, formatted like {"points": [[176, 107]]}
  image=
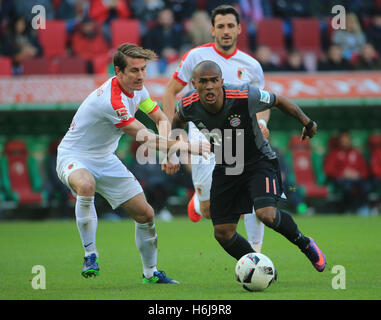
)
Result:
{"points": [[146, 242], [196, 202], [237, 246], [254, 229], [286, 226], [87, 222]]}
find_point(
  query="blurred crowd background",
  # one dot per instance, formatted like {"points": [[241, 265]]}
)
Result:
{"points": [[273, 31], [342, 165]]}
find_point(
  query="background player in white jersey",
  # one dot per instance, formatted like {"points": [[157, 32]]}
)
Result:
{"points": [[237, 68], [86, 162]]}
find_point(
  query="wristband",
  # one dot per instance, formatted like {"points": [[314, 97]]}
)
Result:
{"points": [[263, 122], [309, 125]]}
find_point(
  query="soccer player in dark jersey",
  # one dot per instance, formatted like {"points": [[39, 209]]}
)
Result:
{"points": [[247, 170]]}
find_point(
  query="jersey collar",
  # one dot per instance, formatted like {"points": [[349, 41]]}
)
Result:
{"points": [[223, 54], [124, 91]]}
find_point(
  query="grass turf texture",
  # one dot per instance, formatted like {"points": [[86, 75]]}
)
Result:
{"points": [[189, 254]]}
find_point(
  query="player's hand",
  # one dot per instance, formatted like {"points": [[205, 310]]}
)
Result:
{"points": [[309, 133], [265, 131], [170, 168], [171, 165], [202, 148]]}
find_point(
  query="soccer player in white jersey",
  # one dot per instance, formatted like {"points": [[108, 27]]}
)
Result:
{"points": [[237, 68], [86, 162]]}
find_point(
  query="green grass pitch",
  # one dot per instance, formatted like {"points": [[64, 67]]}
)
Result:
{"points": [[188, 253]]}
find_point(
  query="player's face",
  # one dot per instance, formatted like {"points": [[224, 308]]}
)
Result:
{"points": [[226, 31], [132, 77], [209, 86]]}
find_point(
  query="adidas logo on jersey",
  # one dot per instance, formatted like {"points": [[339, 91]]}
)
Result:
{"points": [[201, 125]]}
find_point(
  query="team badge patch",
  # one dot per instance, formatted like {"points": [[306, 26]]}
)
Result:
{"points": [[240, 73], [234, 120], [122, 114], [199, 189], [265, 96]]}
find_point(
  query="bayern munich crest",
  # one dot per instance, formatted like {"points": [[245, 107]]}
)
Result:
{"points": [[235, 120]]}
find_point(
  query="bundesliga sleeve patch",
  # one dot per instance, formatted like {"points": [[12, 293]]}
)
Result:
{"points": [[265, 96], [122, 114]]}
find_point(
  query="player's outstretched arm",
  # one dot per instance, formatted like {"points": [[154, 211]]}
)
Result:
{"points": [[140, 133], [169, 97], [288, 107]]}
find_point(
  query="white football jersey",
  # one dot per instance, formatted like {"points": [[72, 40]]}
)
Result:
{"points": [[237, 68], [96, 127]]}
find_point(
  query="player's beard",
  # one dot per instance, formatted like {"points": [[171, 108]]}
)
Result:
{"points": [[226, 47]]}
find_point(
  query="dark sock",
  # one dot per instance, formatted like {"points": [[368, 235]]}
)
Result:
{"points": [[286, 226], [237, 246]]}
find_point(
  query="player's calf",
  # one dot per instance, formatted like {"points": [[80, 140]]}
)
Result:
{"points": [[232, 242]]}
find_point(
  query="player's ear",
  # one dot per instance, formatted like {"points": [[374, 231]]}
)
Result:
{"points": [[239, 28], [212, 31], [193, 83], [117, 70]]}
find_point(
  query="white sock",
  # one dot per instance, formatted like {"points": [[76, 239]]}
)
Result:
{"points": [[146, 242], [254, 230], [87, 223], [197, 204]]}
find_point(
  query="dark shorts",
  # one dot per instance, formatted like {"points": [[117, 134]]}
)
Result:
{"points": [[259, 185]]}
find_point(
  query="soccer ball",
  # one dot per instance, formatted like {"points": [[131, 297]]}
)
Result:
{"points": [[255, 271]]}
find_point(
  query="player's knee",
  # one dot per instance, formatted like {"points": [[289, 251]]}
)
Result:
{"points": [[146, 216], [266, 215], [205, 209], [86, 188], [223, 234], [205, 213]]}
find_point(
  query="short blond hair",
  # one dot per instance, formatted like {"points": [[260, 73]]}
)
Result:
{"points": [[133, 51]]}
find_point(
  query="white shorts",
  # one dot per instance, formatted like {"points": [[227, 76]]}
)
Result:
{"points": [[202, 169], [113, 180]]}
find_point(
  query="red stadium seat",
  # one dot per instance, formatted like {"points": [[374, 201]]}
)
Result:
{"points": [[303, 168], [243, 41], [125, 31], [53, 38], [5, 66], [270, 33], [36, 66], [100, 64], [16, 155], [70, 65], [306, 35]]}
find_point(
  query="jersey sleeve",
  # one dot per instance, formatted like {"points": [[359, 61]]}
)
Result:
{"points": [[183, 72], [116, 111], [180, 111], [147, 105], [258, 76], [118, 114], [259, 100]]}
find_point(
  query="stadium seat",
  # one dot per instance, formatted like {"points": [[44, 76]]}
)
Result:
{"points": [[306, 35], [17, 167], [36, 66], [5, 66], [270, 33], [360, 139], [70, 65], [101, 63], [303, 168], [125, 31], [243, 41], [53, 38]]}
